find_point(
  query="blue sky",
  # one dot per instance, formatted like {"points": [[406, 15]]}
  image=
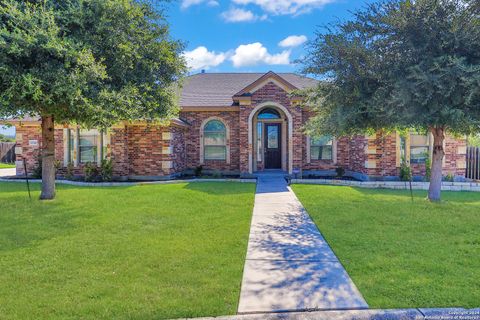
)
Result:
{"points": [[249, 35]]}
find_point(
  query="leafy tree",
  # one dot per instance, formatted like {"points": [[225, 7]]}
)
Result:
{"points": [[400, 65], [474, 140], [89, 62]]}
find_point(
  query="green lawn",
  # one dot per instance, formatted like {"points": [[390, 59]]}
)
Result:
{"points": [[142, 252], [6, 165], [402, 254]]}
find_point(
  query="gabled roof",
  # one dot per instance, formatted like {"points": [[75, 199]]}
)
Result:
{"points": [[218, 89], [269, 76]]}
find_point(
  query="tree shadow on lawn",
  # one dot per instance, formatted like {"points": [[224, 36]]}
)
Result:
{"points": [[420, 196], [26, 223], [32, 226]]}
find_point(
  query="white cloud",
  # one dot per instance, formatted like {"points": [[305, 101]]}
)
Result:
{"points": [[285, 7], [241, 15], [201, 58], [255, 53], [188, 3], [292, 41]]}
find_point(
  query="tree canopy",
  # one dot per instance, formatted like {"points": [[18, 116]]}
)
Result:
{"points": [[398, 65], [90, 62]]}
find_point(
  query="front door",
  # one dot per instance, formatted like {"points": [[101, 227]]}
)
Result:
{"points": [[273, 148]]}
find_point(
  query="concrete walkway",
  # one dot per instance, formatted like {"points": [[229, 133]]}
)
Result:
{"points": [[289, 265], [7, 172]]}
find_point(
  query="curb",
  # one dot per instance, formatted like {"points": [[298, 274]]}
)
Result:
{"points": [[397, 185], [366, 314]]}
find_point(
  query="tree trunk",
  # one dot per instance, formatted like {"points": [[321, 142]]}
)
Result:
{"points": [[437, 164], [48, 158]]}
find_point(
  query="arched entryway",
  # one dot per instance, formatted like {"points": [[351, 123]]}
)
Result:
{"points": [[270, 138]]}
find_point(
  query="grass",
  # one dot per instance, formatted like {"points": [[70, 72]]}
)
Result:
{"points": [[142, 252], [402, 254], [6, 165]]}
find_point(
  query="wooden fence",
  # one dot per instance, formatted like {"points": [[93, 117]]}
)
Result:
{"points": [[7, 152], [473, 163]]}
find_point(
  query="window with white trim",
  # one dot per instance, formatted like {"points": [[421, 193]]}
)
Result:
{"points": [[419, 148], [215, 140], [89, 144], [321, 148]]}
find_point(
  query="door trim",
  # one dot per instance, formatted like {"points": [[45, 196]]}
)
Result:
{"points": [[277, 160]]}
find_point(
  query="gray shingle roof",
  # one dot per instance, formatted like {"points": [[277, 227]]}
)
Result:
{"points": [[217, 89]]}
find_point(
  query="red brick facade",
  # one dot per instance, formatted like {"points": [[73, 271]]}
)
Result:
{"points": [[141, 151], [192, 140], [137, 151]]}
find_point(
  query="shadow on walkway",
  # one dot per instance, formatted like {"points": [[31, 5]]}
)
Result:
{"points": [[289, 265]]}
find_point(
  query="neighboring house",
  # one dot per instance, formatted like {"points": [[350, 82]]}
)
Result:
{"points": [[235, 123]]}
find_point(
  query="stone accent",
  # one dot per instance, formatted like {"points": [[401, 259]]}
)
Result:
{"points": [[166, 136], [400, 185], [167, 165], [371, 164], [167, 150]]}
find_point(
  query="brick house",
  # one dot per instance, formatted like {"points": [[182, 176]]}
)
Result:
{"points": [[237, 124]]}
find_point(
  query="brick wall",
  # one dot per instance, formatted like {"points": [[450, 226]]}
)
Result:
{"points": [[24, 150], [119, 151], [148, 150], [382, 155], [192, 140], [145, 147], [455, 156], [272, 93], [179, 154], [134, 150]]}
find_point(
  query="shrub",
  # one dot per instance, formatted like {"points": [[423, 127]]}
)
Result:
{"points": [[106, 170], [217, 174], [37, 171], [69, 171], [405, 171], [90, 172], [340, 172], [428, 169], [449, 177], [198, 171], [57, 165]]}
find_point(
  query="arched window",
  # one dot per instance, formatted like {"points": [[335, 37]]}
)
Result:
{"points": [[214, 141], [269, 113]]}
